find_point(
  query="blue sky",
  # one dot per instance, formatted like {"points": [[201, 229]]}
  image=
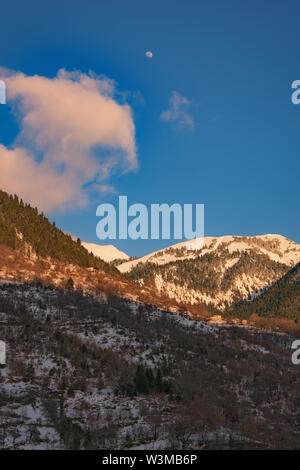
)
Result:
{"points": [[233, 61]]}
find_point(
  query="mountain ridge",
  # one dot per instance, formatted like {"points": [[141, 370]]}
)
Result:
{"points": [[217, 271], [198, 244], [23, 227]]}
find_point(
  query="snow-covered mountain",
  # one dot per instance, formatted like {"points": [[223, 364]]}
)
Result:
{"points": [[106, 252], [215, 270], [277, 247]]}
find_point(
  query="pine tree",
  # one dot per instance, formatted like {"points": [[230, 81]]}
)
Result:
{"points": [[150, 378], [70, 284], [140, 380], [159, 381]]}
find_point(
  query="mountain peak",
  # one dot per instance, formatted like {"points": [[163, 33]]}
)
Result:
{"points": [[106, 252]]}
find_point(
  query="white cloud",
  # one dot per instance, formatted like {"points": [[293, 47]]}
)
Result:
{"points": [[38, 183], [73, 135], [178, 111], [149, 54]]}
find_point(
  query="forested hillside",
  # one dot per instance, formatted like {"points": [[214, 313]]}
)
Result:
{"points": [[23, 227], [282, 300], [219, 278]]}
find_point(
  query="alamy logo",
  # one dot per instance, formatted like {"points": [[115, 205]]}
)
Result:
{"points": [[296, 354], [2, 92], [2, 353], [295, 97], [153, 226]]}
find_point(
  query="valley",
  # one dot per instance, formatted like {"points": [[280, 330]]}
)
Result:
{"points": [[104, 357]]}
